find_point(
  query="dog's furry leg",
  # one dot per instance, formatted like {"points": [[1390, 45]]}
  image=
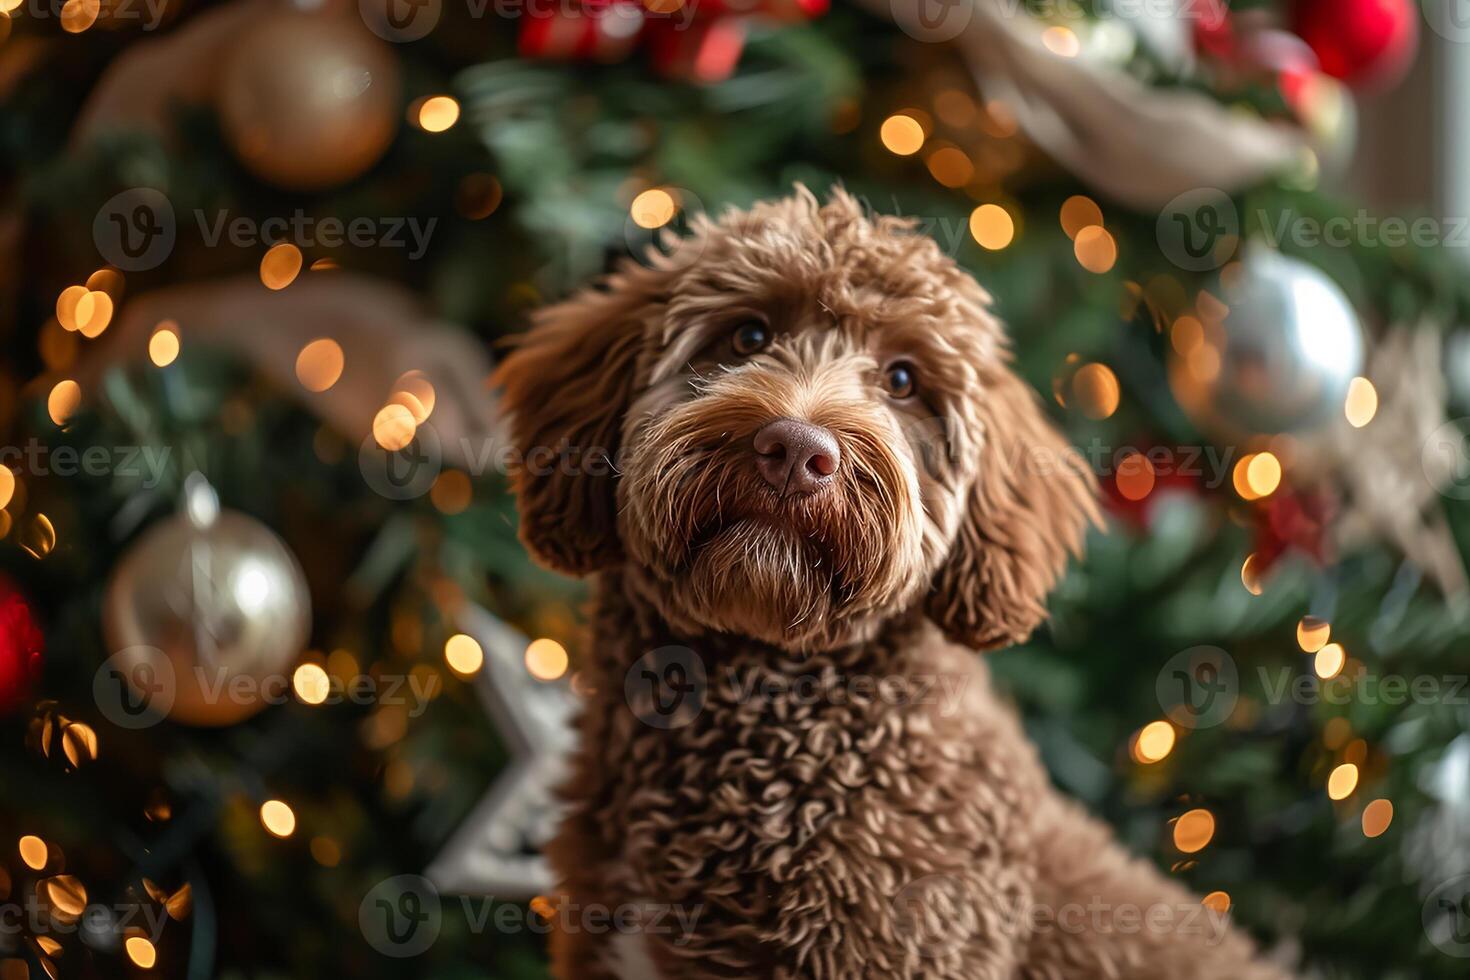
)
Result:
{"points": [[1103, 912]]}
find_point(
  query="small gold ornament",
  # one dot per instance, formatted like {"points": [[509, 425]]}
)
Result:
{"points": [[204, 617], [310, 100]]}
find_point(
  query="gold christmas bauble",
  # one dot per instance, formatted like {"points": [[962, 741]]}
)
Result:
{"points": [[205, 618], [308, 100]]}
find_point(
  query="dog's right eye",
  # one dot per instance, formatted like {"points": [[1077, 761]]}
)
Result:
{"points": [[750, 337]]}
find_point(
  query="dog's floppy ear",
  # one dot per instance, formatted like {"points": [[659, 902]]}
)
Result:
{"points": [[1026, 513], [565, 388]]}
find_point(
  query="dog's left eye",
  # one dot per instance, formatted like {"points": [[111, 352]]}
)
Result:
{"points": [[900, 379], [750, 337]]}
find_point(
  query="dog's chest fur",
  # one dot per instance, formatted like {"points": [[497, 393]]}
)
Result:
{"points": [[776, 830]]}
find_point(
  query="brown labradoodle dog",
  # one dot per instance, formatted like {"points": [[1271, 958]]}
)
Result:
{"points": [[811, 487]]}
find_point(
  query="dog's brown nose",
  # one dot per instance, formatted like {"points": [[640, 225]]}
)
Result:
{"points": [[796, 457]]}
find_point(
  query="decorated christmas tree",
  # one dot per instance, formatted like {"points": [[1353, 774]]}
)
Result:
{"points": [[281, 693]]}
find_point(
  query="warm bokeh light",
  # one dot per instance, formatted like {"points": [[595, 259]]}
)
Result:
{"points": [[1194, 830], [653, 208], [394, 427], [109, 281], [1329, 661], [1095, 390], [1250, 574], [1376, 817], [1079, 212], [141, 951], [320, 364], [163, 346], [902, 134], [93, 313], [1263, 474], [1187, 335], [39, 536], [478, 195], [1154, 742], [1362, 402], [999, 121], [1095, 249], [311, 683], [1218, 902], [992, 226], [33, 852], [7, 485], [342, 665], [66, 305], [414, 392], [1061, 41], [79, 742], [951, 166], [1312, 633], [278, 818], [451, 492], [280, 265], [1256, 475], [1342, 781], [67, 894], [437, 113], [326, 851], [1135, 478], [956, 108], [463, 654], [546, 659], [63, 401], [79, 15]]}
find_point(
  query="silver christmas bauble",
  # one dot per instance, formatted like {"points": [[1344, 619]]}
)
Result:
{"points": [[206, 615], [1279, 357]]}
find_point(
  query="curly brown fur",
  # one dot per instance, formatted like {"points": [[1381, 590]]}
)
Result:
{"points": [[842, 794]]}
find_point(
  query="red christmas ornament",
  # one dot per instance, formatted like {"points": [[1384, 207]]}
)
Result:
{"points": [[597, 30], [700, 43], [1362, 42], [20, 648], [705, 51], [1134, 486], [1293, 520], [1214, 31]]}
